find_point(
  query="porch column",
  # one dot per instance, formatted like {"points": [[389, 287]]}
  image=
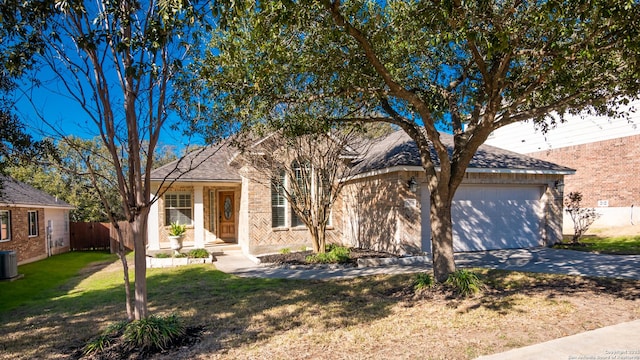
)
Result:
{"points": [[198, 216], [153, 224]]}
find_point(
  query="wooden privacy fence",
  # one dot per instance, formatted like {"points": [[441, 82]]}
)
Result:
{"points": [[97, 236]]}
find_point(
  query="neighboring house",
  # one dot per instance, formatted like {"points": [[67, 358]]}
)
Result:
{"points": [[605, 153], [507, 200], [32, 223]]}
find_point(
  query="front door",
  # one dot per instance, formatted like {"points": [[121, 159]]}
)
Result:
{"points": [[227, 215]]}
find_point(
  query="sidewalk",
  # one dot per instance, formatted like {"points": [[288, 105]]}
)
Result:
{"points": [[620, 341]]}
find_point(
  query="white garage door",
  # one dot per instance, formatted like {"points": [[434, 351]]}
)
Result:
{"points": [[497, 217]]}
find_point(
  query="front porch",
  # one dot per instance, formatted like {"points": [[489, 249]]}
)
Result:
{"points": [[210, 211]]}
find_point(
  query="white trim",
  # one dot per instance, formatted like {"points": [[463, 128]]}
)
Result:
{"points": [[469, 170]]}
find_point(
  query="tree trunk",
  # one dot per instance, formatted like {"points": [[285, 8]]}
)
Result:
{"points": [[441, 239], [125, 267], [139, 233]]}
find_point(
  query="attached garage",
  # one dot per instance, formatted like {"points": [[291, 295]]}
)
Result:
{"points": [[506, 200]]}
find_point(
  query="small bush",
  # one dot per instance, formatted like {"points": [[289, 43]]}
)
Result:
{"points": [[162, 255], [99, 343], [465, 282], [198, 254], [285, 251], [180, 255], [154, 332], [335, 254], [422, 281]]}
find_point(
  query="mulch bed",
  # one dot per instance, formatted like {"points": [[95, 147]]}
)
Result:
{"points": [[298, 258]]}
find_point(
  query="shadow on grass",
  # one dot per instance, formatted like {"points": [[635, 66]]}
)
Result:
{"points": [[233, 310]]}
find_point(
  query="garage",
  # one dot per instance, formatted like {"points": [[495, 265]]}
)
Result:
{"points": [[487, 217]]}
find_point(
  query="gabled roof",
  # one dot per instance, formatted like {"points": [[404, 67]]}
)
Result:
{"points": [[210, 164], [16, 193], [399, 150]]}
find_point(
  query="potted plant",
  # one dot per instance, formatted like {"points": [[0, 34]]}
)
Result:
{"points": [[176, 232]]}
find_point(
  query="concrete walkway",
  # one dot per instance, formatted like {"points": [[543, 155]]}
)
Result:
{"points": [[620, 341]]}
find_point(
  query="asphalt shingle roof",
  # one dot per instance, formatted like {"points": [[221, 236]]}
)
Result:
{"points": [[14, 192], [208, 164], [398, 149]]}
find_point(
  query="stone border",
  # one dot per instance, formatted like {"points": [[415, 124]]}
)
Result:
{"points": [[153, 262]]}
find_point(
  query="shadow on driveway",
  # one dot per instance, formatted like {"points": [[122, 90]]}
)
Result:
{"points": [[554, 261]]}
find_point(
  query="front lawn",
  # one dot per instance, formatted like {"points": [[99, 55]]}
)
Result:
{"points": [[44, 279], [621, 245], [367, 317]]}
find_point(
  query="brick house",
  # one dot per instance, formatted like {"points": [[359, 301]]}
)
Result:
{"points": [[33, 223], [507, 200], [605, 153]]}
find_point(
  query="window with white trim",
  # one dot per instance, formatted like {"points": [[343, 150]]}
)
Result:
{"points": [[178, 208], [5, 225], [32, 223], [278, 202]]}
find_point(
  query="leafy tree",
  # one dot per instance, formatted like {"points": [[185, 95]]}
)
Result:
{"points": [[67, 177], [117, 60], [468, 67], [306, 167]]}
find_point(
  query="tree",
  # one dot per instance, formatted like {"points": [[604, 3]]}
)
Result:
{"points": [[117, 60], [67, 177], [581, 217], [466, 67], [306, 168]]}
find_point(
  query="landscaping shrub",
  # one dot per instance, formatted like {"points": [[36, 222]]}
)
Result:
{"points": [[422, 281], [180, 255], [105, 339], [285, 251], [198, 254], [335, 254], [464, 282], [582, 217], [154, 333], [162, 255]]}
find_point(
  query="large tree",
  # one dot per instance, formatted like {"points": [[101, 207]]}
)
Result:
{"points": [[117, 60], [468, 67]]}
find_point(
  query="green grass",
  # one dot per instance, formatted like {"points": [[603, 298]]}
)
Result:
{"points": [[623, 245], [47, 278]]}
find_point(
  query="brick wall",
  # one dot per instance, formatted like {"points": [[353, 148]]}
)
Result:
{"points": [[263, 237], [27, 248], [605, 170]]}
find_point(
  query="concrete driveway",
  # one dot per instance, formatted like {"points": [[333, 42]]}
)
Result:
{"points": [[542, 260], [554, 261]]}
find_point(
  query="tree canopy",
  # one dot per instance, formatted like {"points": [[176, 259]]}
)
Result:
{"points": [[466, 67]]}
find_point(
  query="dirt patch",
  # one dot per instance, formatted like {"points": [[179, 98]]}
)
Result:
{"points": [[629, 230]]}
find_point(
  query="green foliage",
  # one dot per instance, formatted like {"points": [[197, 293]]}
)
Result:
{"points": [[285, 251], [423, 281], [162, 255], [154, 332], [99, 343], [464, 282], [334, 254], [582, 217], [180, 255], [198, 254], [176, 229]]}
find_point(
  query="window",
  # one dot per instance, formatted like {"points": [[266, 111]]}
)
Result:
{"points": [[33, 223], [177, 208], [278, 202], [5, 225], [303, 180]]}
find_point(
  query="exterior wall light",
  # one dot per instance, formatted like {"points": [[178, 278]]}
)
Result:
{"points": [[412, 184]]}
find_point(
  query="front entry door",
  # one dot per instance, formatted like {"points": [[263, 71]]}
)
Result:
{"points": [[227, 215]]}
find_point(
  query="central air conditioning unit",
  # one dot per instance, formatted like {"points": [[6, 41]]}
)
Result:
{"points": [[8, 265]]}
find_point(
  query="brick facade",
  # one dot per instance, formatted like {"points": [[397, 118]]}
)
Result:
{"points": [[605, 170], [28, 248]]}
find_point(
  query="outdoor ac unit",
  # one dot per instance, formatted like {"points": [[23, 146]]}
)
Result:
{"points": [[8, 264]]}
